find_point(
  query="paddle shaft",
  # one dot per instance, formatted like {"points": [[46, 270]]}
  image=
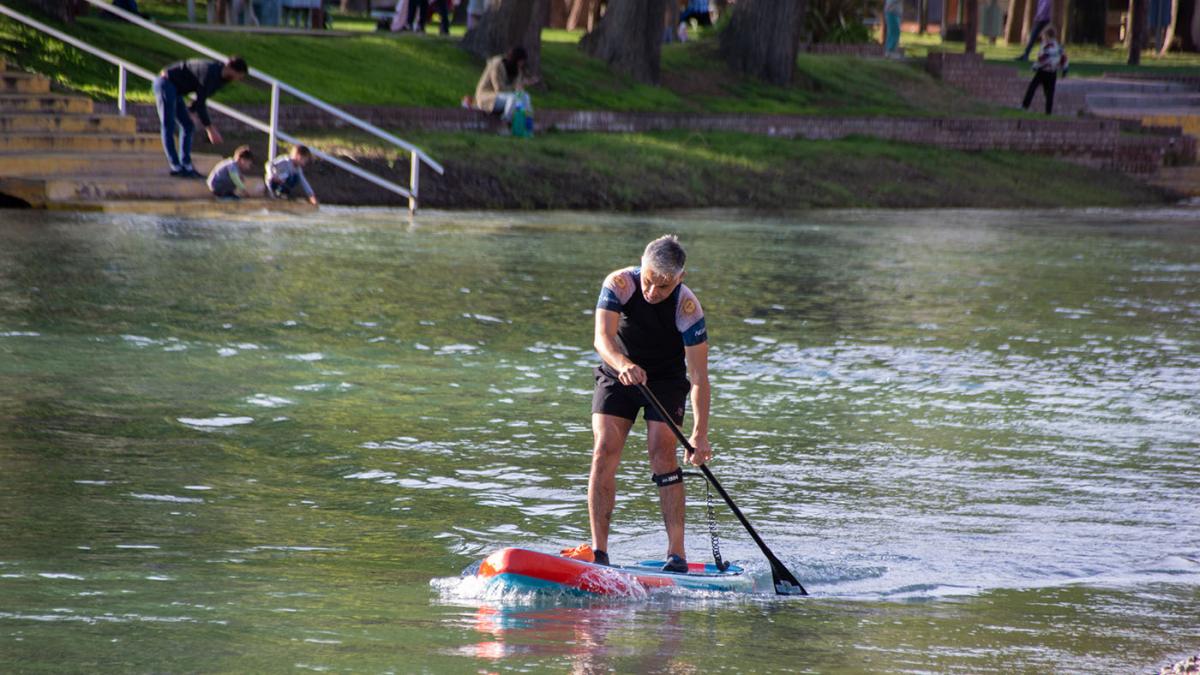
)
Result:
{"points": [[778, 570]]}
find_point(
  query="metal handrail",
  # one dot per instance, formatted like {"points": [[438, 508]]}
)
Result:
{"points": [[271, 128]]}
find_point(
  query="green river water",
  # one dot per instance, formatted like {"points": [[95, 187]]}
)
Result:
{"points": [[271, 443]]}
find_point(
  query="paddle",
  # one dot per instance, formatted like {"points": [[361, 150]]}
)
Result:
{"points": [[785, 581]]}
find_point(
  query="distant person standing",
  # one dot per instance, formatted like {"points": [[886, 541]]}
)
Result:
{"points": [[893, 12], [1041, 19], [194, 76], [419, 12], [1051, 59], [695, 9]]}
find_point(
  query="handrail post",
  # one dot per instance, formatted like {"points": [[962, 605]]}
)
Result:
{"points": [[273, 143], [414, 179], [122, 81]]}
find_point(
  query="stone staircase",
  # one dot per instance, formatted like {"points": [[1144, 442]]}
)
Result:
{"points": [[57, 152], [1171, 102], [1153, 102], [1159, 120]]}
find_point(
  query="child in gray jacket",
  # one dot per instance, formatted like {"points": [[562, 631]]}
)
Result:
{"points": [[227, 178], [286, 173]]}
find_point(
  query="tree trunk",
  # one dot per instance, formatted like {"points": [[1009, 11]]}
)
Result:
{"points": [[1192, 35], [1137, 31], [510, 23], [1016, 18], [970, 25], [59, 9], [922, 17], [1027, 22], [584, 14], [629, 38], [1058, 18], [762, 38], [1170, 36], [355, 6]]}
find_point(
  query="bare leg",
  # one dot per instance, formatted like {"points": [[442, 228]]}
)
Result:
{"points": [[609, 434], [661, 442]]}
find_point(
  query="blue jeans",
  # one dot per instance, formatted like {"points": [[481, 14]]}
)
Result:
{"points": [[172, 112], [284, 188], [893, 31], [507, 103]]}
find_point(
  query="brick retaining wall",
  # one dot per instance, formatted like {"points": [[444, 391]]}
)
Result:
{"points": [[999, 84], [869, 50], [1094, 142]]}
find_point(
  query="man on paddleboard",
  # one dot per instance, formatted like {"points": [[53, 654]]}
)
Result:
{"points": [[649, 330]]}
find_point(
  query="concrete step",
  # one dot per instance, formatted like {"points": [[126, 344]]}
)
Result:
{"points": [[1109, 85], [79, 142], [1182, 179], [32, 121], [51, 104], [32, 163], [40, 192], [23, 83], [1143, 101], [194, 208]]}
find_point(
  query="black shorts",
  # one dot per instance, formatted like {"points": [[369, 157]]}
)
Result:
{"points": [[620, 400]]}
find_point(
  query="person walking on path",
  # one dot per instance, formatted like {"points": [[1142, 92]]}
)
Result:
{"points": [[649, 330], [1051, 59], [194, 76], [1041, 19], [893, 11]]}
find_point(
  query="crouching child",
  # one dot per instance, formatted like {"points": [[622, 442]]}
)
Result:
{"points": [[286, 173], [227, 179]]}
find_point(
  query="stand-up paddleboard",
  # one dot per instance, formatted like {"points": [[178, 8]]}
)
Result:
{"points": [[523, 569]]}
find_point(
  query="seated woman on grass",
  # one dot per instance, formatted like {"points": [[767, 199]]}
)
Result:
{"points": [[501, 89]]}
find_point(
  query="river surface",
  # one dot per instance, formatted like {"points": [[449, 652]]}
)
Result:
{"points": [[271, 443]]}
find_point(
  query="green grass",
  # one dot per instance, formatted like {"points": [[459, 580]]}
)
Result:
{"points": [[407, 70], [1086, 60], [373, 68], [692, 170]]}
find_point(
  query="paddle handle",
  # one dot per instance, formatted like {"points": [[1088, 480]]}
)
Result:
{"points": [[778, 570]]}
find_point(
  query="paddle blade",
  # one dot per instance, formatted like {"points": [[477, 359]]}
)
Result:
{"points": [[785, 581]]}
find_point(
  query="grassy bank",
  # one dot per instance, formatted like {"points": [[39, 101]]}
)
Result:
{"points": [[411, 70], [694, 170]]}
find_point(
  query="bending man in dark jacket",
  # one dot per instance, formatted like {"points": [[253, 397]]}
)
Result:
{"points": [[194, 76]]}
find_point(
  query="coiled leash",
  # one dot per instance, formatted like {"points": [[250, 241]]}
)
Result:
{"points": [[676, 476]]}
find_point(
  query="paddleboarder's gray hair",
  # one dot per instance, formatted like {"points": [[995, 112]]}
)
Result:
{"points": [[665, 255]]}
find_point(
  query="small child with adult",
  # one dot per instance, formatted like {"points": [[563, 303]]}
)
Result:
{"points": [[226, 181], [1051, 59], [286, 172]]}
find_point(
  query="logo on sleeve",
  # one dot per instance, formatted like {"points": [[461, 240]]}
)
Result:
{"points": [[689, 306], [620, 282]]}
